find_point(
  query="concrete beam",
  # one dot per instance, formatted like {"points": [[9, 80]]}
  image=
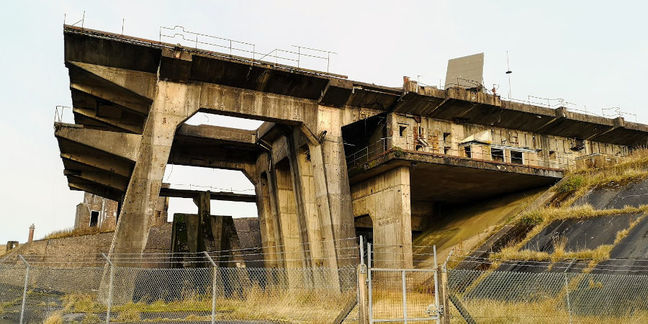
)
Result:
{"points": [[101, 178], [136, 106], [139, 83], [79, 184], [218, 195], [90, 160], [219, 134], [124, 145], [247, 168], [108, 121], [257, 105]]}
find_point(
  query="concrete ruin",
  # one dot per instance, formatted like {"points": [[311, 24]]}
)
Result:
{"points": [[334, 157]]}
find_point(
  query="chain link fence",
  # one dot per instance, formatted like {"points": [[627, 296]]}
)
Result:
{"points": [[151, 291], [547, 296]]}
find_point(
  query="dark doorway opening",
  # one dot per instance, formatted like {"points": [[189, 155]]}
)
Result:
{"points": [[94, 218]]}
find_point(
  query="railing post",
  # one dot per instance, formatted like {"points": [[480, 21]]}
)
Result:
{"points": [[213, 314], [369, 282], [404, 296], [110, 286], [361, 250], [24, 299]]}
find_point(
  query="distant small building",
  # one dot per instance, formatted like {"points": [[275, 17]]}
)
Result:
{"points": [[96, 211]]}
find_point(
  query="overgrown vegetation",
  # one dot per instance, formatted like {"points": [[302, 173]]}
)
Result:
{"points": [[550, 311], [280, 303], [570, 184], [72, 232], [574, 186]]}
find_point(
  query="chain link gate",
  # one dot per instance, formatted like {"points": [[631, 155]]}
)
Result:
{"points": [[403, 295]]}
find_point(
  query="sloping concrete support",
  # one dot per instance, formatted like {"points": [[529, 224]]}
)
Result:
{"points": [[386, 198], [330, 122], [173, 104], [293, 245], [267, 222]]}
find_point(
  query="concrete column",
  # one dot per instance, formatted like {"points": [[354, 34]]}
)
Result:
{"points": [[267, 219], [386, 198], [302, 197], [339, 197], [208, 240], [173, 103], [335, 175], [293, 249]]}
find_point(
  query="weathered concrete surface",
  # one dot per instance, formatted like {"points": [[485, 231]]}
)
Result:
{"points": [[173, 104], [386, 198], [131, 97]]}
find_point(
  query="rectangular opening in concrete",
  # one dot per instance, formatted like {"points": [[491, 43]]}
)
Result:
{"points": [[467, 151], [517, 157], [94, 218], [202, 118], [497, 155]]}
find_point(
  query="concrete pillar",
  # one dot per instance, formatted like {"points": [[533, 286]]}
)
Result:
{"points": [[386, 198], [173, 103], [293, 249], [208, 239], [267, 222], [336, 183], [302, 198]]}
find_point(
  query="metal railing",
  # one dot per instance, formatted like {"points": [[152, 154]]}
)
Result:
{"points": [[61, 117], [296, 57], [607, 112]]}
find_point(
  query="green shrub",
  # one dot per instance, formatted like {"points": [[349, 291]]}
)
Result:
{"points": [[570, 184], [531, 219]]}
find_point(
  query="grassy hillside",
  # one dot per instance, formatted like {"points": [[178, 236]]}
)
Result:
{"points": [[591, 213]]}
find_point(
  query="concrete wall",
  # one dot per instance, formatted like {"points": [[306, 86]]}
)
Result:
{"points": [[444, 136], [386, 199]]}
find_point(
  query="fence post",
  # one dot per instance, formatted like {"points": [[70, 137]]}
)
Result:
{"points": [[363, 316], [369, 282], [444, 309], [567, 291], [213, 314], [110, 287], [24, 299], [436, 283]]}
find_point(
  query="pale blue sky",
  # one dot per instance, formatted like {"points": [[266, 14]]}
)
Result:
{"points": [[592, 53]]}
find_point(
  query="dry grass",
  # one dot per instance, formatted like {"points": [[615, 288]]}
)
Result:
{"points": [[283, 305], [128, 315], [54, 318], [82, 303], [72, 232], [543, 217], [548, 311]]}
